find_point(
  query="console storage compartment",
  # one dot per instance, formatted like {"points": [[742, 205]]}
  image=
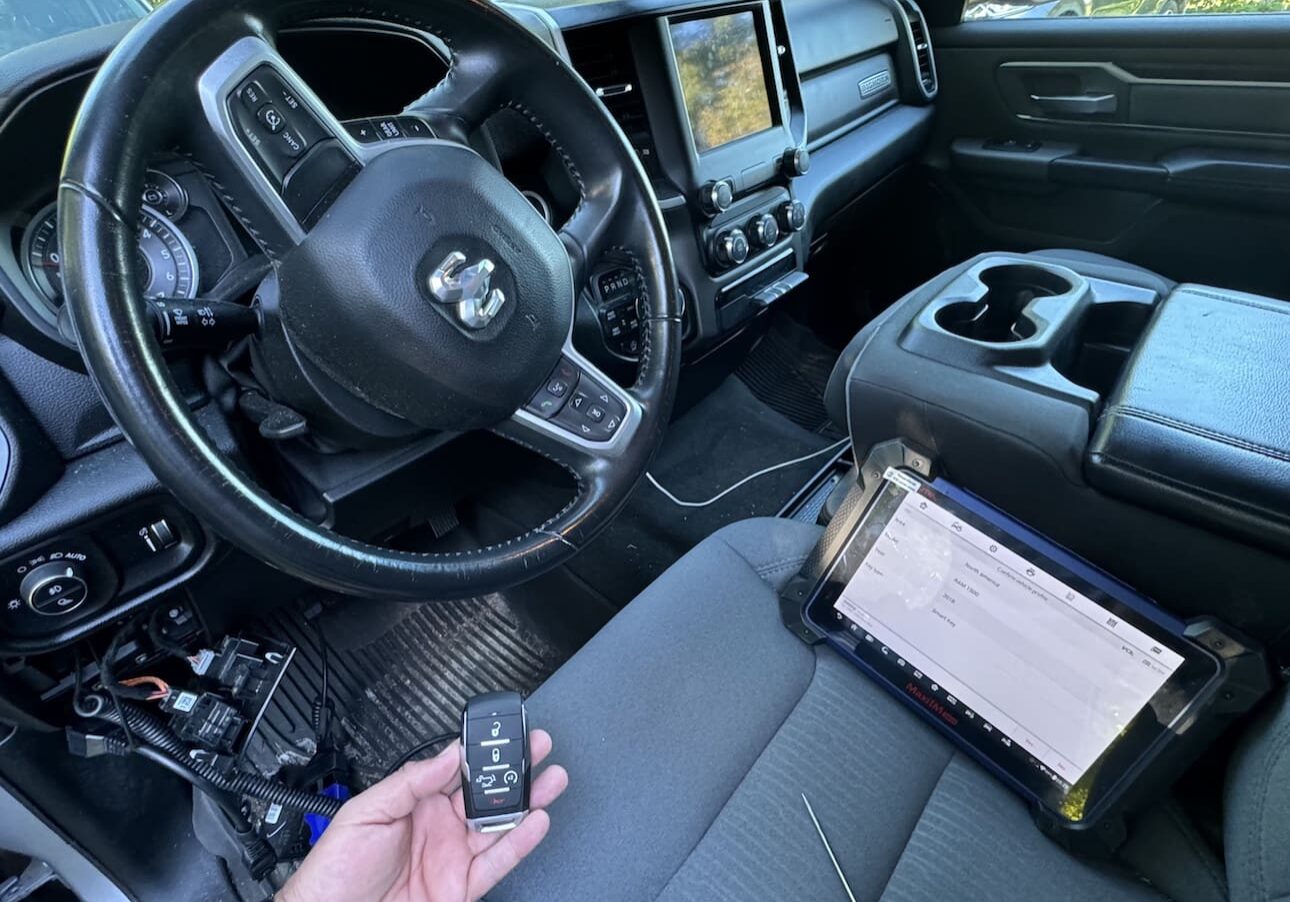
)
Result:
{"points": [[1198, 424]]}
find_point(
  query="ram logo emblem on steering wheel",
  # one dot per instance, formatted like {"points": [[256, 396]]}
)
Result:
{"points": [[467, 288]]}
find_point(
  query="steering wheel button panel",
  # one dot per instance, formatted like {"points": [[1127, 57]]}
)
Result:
{"points": [[270, 118], [272, 123], [593, 412], [556, 391], [252, 94], [412, 127], [388, 128], [363, 131]]}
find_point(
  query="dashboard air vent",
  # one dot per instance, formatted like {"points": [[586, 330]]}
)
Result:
{"points": [[602, 55], [921, 48]]}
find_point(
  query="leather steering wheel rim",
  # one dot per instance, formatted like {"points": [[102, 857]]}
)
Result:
{"points": [[130, 110]]}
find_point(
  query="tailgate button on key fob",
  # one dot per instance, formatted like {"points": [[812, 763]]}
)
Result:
{"points": [[495, 761]]}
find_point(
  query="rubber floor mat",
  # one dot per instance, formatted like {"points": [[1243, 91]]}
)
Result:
{"points": [[788, 371], [397, 674]]}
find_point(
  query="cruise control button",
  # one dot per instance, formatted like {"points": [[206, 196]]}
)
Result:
{"points": [[271, 119], [291, 142], [252, 95], [363, 131], [413, 127]]}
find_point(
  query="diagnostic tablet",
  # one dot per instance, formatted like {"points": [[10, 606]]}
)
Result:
{"points": [[1062, 681]]}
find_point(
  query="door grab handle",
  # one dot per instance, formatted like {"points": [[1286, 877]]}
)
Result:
{"points": [[1077, 104]]}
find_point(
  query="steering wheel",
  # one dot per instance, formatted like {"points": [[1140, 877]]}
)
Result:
{"points": [[414, 290]]}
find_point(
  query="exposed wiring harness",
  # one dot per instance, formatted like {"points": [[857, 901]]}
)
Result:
{"points": [[747, 479], [259, 855], [146, 727], [162, 687]]}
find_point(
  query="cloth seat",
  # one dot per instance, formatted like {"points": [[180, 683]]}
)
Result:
{"points": [[694, 722]]}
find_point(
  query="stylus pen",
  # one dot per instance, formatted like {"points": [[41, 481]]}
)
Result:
{"points": [[828, 848]]}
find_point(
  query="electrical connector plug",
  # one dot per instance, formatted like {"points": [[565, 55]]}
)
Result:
{"points": [[92, 745], [204, 719]]}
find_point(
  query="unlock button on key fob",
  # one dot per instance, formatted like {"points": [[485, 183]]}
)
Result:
{"points": [[495, 761]]}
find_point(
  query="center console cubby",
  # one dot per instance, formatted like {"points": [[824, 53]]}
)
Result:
{"points": [[1137, 422]]}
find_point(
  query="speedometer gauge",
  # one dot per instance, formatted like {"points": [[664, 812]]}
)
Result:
{"points": [[167, 265]]}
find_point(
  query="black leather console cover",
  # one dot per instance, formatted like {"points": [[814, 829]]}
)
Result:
{"points": [[1199, 425]]}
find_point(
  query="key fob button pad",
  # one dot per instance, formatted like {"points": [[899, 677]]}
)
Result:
{"points": [[495, 761]]}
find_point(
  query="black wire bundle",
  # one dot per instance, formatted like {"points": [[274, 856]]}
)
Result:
{"points": [[144, 726]]}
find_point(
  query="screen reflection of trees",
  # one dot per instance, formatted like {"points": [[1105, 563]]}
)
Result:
{"points": [[722, 78]]}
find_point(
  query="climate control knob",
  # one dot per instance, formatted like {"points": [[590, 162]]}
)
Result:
{"points": [[57, 587], [792, 215], [731, 247], [716, 197], [763, 231]]}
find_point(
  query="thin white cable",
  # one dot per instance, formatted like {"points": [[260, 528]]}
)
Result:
{"points": [[747, 479]]}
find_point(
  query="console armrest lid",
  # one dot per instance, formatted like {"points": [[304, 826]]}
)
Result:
{"points": [[1198, 426]]}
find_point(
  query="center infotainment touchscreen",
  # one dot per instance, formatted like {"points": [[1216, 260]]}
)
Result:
{"points": [[723, 78], [1059, 678]]}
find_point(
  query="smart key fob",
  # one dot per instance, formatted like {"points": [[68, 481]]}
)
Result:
{"points": [[495, 761]]}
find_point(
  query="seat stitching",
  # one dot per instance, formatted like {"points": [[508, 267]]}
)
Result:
{"points": [[815, 661], [776, 566], [1257, 826], [918, 820], [1198, 849], [779, 729], [1228, 299], [1183, 425], [757, 568], [1187, 487]]}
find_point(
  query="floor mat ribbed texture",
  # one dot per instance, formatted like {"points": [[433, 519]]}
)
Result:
{"points": [[400, 674], [788, 371]]}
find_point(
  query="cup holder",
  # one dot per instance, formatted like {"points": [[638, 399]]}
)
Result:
{"points": [[996, 317]]}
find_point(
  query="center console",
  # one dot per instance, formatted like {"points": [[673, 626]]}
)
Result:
{"points": [[1135, 421], [712, 103]]}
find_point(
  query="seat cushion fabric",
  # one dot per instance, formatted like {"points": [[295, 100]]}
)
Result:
{"points": [[659, 717], [1256, 817], [692, 725]]}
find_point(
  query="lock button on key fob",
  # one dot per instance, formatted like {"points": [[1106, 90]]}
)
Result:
{"points": [[495, 761]]}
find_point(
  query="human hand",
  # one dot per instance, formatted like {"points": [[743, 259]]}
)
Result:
{"points": [[406, 838]]}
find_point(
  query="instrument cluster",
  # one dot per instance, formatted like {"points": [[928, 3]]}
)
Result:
{"points": [[185, 243]]}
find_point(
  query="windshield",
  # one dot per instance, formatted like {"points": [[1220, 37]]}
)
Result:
{"points": [[24, 22]]}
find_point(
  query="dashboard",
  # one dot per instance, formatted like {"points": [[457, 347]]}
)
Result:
{"points": [[759, 123]]}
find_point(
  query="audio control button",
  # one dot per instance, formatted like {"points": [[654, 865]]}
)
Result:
{"points": [[717, 196]]}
